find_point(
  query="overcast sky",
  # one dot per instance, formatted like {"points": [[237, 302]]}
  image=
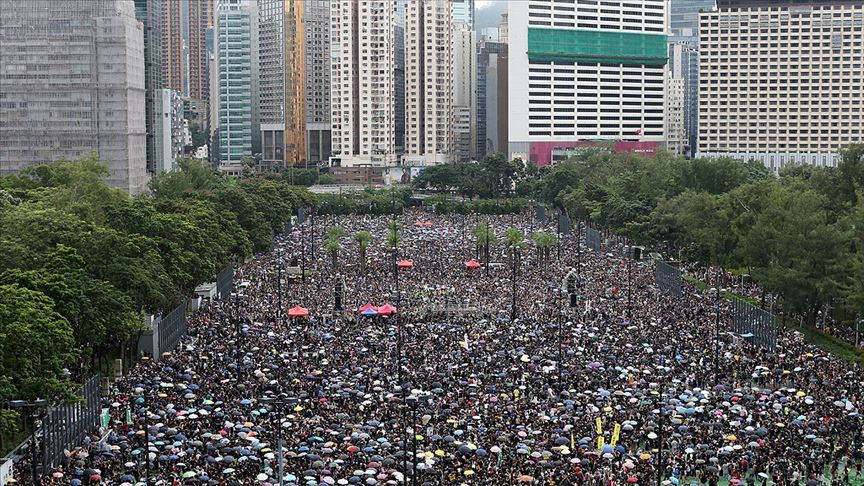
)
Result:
{"points": [[487, 13]]}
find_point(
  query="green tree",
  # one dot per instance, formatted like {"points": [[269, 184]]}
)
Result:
{"points": [[363, 239], [544, 242], [485, 239], [35, 345]]}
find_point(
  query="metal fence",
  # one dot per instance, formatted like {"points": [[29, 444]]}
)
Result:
{"points": [[172, 327], [592, 238], [65, 425], [754, 324], [225, 282], [540, 212], [563, 224], [668, 278]]}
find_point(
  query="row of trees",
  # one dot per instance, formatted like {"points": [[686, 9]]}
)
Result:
{"points": [[799, 234], [83, 263]]}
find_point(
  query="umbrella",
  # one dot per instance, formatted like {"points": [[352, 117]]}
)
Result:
{"points": [[405, 264], [369, 312], [472, 264], [367, 307], [298, 311], [525, 478]]}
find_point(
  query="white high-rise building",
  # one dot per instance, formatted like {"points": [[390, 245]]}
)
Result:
{"points": [[428, 82], [580, 73], [362, 83], [463, 13], [317, 25], [465, 92], [781, 83]]}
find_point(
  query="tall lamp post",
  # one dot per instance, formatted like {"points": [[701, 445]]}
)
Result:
{"points": [[513, 299], [717, 335], [31, 410], [276, 403]]}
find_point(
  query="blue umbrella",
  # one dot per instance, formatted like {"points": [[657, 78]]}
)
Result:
{"points": [[128, 478], [369, 312], [481, 452]]}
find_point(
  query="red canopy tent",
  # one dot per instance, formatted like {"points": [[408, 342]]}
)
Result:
{"points": [[298, 311], [472, 264], [405, 264], [427, 224], [386, 310]]}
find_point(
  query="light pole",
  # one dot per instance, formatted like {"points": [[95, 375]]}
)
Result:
{"points": [[276, 403], [279, 291], [303, 248], [717, 335], [629, 288], [31, 409], [660, 440], [513, 300]]}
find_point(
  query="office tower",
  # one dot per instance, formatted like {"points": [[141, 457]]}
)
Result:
{"points": [[317, 24], [282, 82], [491, 98], [464, 93], [676, 134], [149, 13], [504, 29], [200, 20], [173, 61], [169, 126], [684, 66], [237, 57], [595, 76], [463, 13], [399, 76], [781, 83], [72, 84], [428, 82], [362, 83]]}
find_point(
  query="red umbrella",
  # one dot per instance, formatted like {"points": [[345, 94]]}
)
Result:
{"points": [[418, 224], [367, 307], [386, 310], [405, 264], [472, 264], [427, 224], [298, 312]]}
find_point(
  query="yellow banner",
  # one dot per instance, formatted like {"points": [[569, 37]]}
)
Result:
{"points": [[572, 442], [599, 424], [600, 441], [616, 432]]}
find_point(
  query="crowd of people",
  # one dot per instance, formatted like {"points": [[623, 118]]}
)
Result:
{"points": [[623, 384]]}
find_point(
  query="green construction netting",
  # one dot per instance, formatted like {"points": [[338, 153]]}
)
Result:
{"points": [[597, 46]]}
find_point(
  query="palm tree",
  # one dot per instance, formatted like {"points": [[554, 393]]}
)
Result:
{"points": [[544, 242], [363, 239], [485, 238], [333, 246], [393, 238], [335, 233]]}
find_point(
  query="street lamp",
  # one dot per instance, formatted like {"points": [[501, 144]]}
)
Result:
{"points": [[276, 404], [413, 400], [31, 410], [717, 335], [513, 296]]}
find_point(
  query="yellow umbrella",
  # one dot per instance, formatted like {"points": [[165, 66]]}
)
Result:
{"points": [[469, 472], [439, 453], [731, 437], [645, 457]]}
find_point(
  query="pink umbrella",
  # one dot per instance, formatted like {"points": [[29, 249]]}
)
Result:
{"points": [[298, 311]]}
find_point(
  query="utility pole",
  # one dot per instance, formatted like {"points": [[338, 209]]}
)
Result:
{"points": [[513, 302], [629, 288], [660, 442], [717, 335], [279, 290]]}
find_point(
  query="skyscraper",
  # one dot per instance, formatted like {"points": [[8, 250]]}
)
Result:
{"points": [[428, 82], [362, 83], [491, 98], [317, 25], [149, 13], [72, 84], [465, 93], [173, 60], [576, 79], [781, 82], [236, 54], [200, 19], [463, 13]]}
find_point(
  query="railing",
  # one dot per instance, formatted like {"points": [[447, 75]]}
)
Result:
{"points": [[754, 324], [66, 425], [225, 282], [172, 327], [668, 278], [592, 239]]}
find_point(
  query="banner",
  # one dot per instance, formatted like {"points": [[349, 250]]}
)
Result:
{"points": [[599, 424], [616, 432], [600, 441]]}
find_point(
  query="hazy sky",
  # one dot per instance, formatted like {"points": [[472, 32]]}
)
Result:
{"points": [[487, 13]]}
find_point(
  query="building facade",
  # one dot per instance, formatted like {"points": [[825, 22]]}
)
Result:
{"points": [[592, 76], [399, 74], [464, 93], [173, 60], [171, 140], [200, 20], [236, 57], [317, 24], [72, 84], [463, 13], [149, 13], [428, 82], [491, 99], [676, 133], [362, 83], [776, 83]]}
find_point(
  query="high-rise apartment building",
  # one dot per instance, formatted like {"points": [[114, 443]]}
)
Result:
{"points": [[676, 133], [200, 20], [463, 13], [399, 75], [684, 66], [504, 29], [317, 25], [169, 125], [491, 98], [464, 93], [72, 84], [781, 83], [362, 83], [428, 82], [593, 74], [237, 58], [149, 13], [173, 60]]}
